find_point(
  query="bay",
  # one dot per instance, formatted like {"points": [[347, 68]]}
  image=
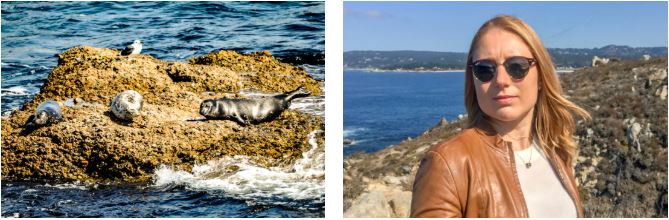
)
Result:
{"points": [[384, 108]]}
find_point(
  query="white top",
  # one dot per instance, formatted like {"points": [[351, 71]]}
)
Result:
{"points": [[544, 194]]}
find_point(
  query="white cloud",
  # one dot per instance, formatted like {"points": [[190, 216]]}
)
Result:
{"points": [[375, 14]]}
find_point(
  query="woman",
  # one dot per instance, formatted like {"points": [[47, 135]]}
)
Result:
{"points": [[514, 158]]}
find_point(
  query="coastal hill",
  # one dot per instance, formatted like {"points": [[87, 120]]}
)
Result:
{"points": [[566, 58], [91, 145], [621, 167]]}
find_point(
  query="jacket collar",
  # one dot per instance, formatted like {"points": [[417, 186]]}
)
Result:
{"points": [[490, 136]]}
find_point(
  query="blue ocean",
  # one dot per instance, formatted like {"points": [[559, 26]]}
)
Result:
{"points": [[34, 32], [384, 108]]}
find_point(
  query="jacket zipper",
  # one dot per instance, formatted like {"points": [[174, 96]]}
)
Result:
{"points": [[512, 160]]}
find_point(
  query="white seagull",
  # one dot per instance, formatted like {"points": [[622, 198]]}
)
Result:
{"points": [[133, 48]]}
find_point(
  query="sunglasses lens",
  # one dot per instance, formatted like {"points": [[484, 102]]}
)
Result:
{"points": [[484, 70], [517, 67]]}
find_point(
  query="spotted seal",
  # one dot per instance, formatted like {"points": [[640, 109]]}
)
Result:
{"points": [[126, 105], [47, 112], [252, 110]]}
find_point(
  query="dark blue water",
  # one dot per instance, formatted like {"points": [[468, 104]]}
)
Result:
{"points": [[381, 109], [137, 200], [33, 32]]}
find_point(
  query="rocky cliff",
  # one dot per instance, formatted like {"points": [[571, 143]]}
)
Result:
{"points": [[91, 145], [622, 163]]}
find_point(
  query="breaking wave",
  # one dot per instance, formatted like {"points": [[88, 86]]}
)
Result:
{"points": [[238, 177], [15, 91]]}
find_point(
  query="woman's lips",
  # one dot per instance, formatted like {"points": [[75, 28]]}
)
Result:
{"points": [[504, 99]]}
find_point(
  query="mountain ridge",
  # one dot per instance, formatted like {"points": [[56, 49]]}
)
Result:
{"points": [[417, 60]]}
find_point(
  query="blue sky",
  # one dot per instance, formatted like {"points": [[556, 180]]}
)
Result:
{"points": [[450, 26]]}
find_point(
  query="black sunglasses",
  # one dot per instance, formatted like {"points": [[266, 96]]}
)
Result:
{"points": [[517, 67]]}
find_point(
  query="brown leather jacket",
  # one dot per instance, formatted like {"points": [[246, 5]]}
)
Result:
{"points": [[474, 175]]}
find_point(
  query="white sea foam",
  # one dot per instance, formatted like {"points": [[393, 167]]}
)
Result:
{"points": [[238, 177], [317, 72], [349, 132], [9, 112], [29, 191], [15, 91], [314, 105], [75, 185]]}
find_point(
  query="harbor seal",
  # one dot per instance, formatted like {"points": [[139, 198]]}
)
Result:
{"points": [[132, 49], [126, 105], [47, 112], [250, 111]]}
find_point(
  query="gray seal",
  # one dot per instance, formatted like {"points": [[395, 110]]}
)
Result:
{"points": [[47, 112], [126, 105], [252, 110]]}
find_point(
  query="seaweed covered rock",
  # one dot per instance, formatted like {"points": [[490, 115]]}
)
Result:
{"points": [[90, 144], [261, 70]]}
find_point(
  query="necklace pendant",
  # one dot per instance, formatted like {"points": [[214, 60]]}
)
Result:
{"points": [[528, 165]]}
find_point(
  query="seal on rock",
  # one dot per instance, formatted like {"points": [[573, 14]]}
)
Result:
{"points": [[134, 48], [47, 112], [126, 105], [252, 110]]}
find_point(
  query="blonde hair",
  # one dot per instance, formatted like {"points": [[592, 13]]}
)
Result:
{"points": [[553, 123]]}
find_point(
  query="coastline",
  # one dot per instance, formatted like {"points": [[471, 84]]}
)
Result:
{"points": [[404, 70]]}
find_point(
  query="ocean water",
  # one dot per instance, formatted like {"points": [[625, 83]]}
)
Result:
{"points": [[384, 108], [33, 32]]}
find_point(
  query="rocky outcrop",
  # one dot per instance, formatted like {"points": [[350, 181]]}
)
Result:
{"points": [[380, 201], [645, 57], [258, 70], [621, 167], [596, 61], [382, 182], [622, 163], [91, 145]]}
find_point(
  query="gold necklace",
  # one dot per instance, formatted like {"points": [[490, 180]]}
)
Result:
{"points": [[528, 164]]}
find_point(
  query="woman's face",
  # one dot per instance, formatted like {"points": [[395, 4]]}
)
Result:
{"points": [[503, 98]]}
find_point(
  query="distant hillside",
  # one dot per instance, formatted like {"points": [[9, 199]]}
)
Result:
{"points": [[429, 60], [404, 59]]}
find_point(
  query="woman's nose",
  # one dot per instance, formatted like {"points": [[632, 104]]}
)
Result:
{"points": [[502, 78]]}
